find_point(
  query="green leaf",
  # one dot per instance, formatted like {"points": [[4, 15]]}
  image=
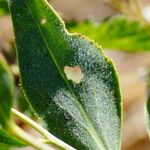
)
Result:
{"points": [[119, 33], [7, 139], [147, 108], [68, 80], [6, 93], [3, 7], [147, 116]]}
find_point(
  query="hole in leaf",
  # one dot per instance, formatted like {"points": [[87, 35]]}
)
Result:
{"points": [[43, 21], [74, 74]]}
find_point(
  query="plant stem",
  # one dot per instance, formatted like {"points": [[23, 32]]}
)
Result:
{"points": [[51, 138], [26, 138]]}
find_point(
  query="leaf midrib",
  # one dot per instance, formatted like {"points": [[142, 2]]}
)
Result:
{"points": [[92, 131]]}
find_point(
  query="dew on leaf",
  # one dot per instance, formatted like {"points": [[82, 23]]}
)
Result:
{"points": [[74, 74]]}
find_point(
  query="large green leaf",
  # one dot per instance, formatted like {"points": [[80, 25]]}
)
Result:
{"points": [[6, 93], [7, 139], [119, 33], [84, 111]]}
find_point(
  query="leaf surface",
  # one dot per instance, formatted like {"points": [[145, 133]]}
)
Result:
{"points": [[6, 92], [67, 79], [119, 33]]}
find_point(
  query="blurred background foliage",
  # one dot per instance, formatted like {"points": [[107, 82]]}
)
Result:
{"points": [[122, 28], [124, 33]]}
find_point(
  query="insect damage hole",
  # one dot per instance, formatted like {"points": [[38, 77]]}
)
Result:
{"points": [[43, 21], [74, 74]]}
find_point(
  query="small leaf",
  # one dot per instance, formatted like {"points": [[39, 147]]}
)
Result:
{"points": [[147, 108], [119, 33], [6, 92], [3, 7], [85, 114], [147, 116], [7, 139]]}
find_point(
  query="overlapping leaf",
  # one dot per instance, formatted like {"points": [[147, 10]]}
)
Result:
{"points": [[119, 33], [147, 108], [6, 93], [3, 7], [6, 99], [67, 79], [7, 139]]}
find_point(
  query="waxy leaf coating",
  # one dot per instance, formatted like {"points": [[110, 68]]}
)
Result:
{"points": [[86, 114]]}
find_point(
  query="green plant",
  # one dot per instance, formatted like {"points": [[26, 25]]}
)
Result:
{"points": [[68, 81]]}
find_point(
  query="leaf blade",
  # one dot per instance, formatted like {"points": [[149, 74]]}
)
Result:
{"points": [[64, 106]]}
